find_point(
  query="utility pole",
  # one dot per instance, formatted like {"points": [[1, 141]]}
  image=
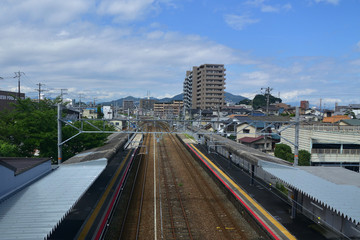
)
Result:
{"points": [[80, 95], [39, 90], [59, 133], [62, 92], [320, 107], [297, 128], [267, 94], [18, 75]]}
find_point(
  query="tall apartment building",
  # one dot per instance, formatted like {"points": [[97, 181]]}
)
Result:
{"points": [[204, 87]]}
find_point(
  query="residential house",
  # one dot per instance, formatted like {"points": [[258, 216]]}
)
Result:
{"points": [[349, 122], [118, 124], [342, 110], [272, 109], [334, 119], [251, 134], [252, 130], [90, 113]]}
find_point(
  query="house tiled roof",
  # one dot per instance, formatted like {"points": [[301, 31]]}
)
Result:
{"points": [[351, 122], [335, 119], [250, 139]]}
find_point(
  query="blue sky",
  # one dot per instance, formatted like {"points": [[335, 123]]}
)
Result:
{"points": [[107, 49]]}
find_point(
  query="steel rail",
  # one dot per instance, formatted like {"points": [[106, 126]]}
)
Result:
{"points": [[185, 217], [130, 198], [215, 208], [141, 200]]}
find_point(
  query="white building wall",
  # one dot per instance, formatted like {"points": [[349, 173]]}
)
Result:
{"points": [[240, 128], [306, 137], [107, 111]]}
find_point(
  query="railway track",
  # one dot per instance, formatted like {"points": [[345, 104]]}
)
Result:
{"points": [[130, 229], [226, 223], [173, 198], [177, 225]]}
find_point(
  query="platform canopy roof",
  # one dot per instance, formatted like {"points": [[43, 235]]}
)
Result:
{"points": [[33, 212], [333, 187]]}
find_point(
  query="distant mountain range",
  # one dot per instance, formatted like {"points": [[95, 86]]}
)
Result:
{"points": [[229, 98]]}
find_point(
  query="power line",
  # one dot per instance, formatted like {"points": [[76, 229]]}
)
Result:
{"points": [[18, 75], [267, 94], [40, 90]]}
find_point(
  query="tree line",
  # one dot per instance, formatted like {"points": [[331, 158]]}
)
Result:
{"points": [[31, 127]]}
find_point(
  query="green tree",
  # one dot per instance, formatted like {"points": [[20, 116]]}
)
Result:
{"points": [[8, 150], [33, 126], [100, 114], [261, 100], [304, 158], [282, 151], [245, 101]]}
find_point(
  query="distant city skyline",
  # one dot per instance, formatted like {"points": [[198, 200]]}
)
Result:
{"points": [[107, 49]]}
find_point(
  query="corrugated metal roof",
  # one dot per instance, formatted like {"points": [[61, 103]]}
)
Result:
{"points": [[33, 212], [339, 197]]}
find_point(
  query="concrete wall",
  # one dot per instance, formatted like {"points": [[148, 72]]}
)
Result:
{"points": [[306, 137]]}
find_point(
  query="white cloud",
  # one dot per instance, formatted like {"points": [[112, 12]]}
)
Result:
{"points": [[295, 94], [126, 9], [358, 45], [287, 6], [46, 12], [107, 59], [239, 22], [334, 2], [356, 62], [257, 78], [267, 7]]}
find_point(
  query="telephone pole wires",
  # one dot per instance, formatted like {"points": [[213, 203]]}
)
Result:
{"points": [[62, 93], [40, 90], [267, 94], [18, 75]]}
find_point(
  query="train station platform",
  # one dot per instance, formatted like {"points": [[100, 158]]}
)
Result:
{"points": [[259, 199]]}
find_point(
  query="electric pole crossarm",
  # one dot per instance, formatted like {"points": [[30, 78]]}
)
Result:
{"points": [[93, 126], [70, 138], [71, 125], [288, 126]]}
